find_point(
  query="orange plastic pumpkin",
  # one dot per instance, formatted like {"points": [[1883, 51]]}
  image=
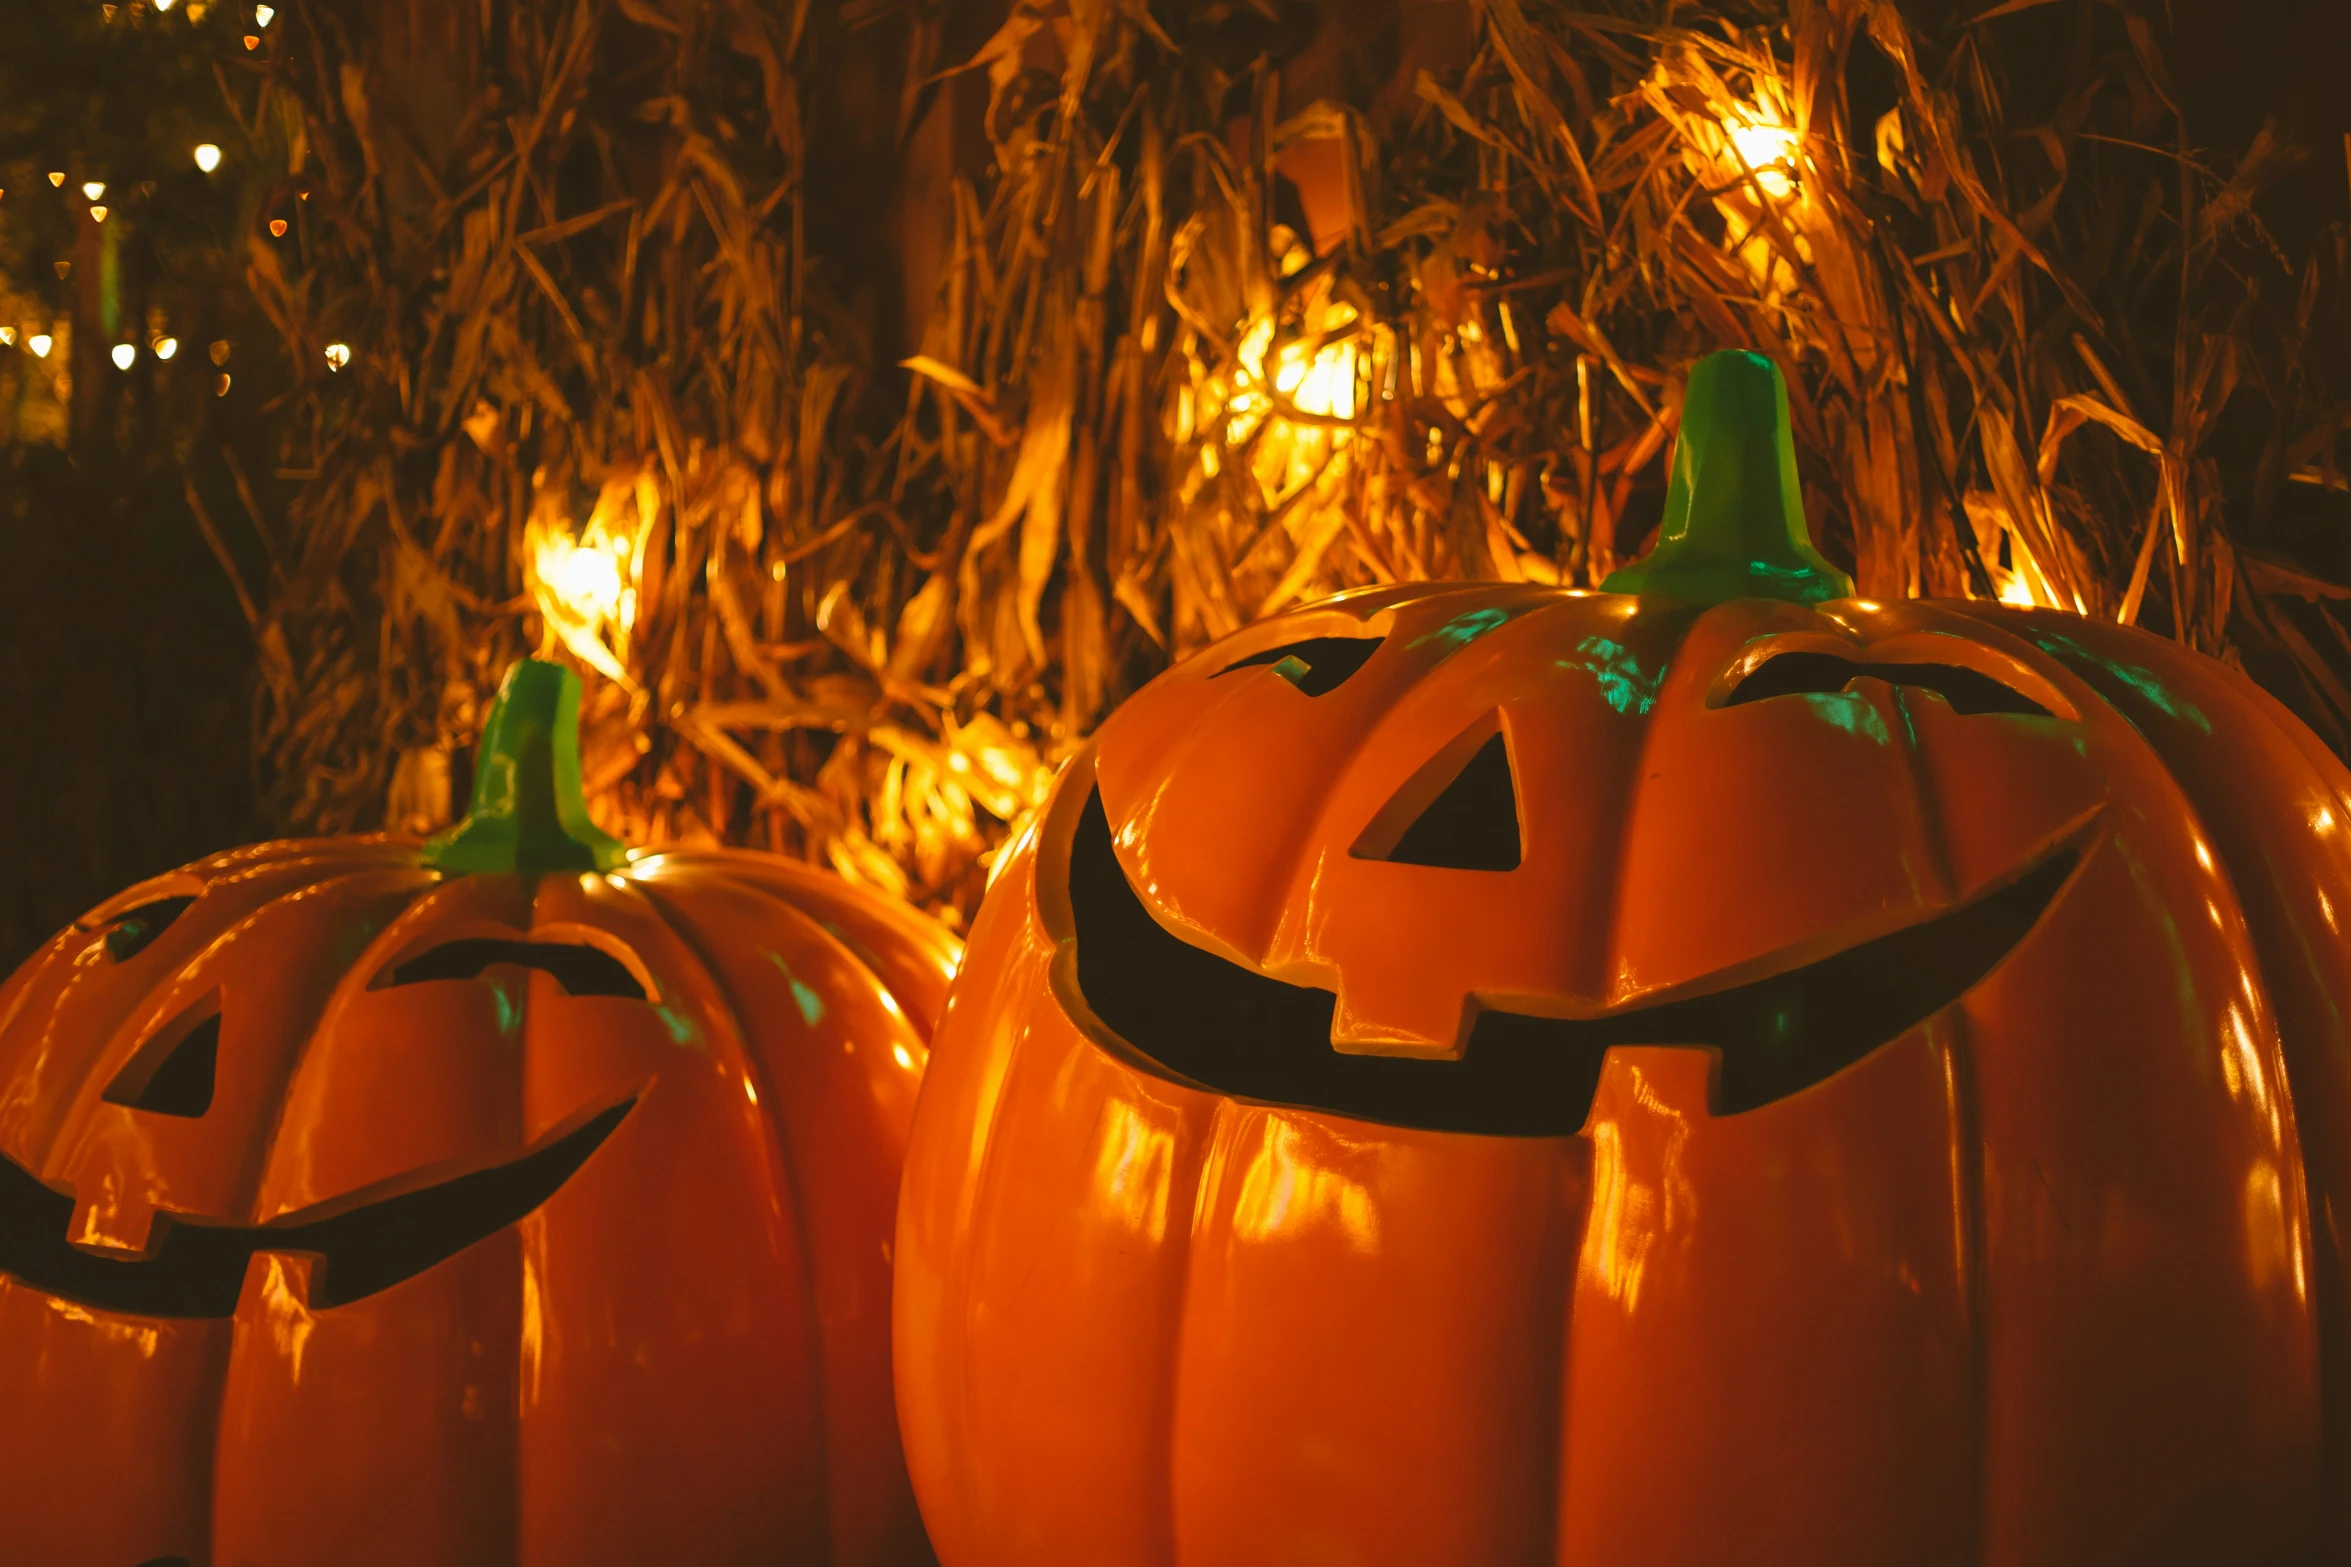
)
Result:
{"points": [[502, 1199], [1726, 1072]]}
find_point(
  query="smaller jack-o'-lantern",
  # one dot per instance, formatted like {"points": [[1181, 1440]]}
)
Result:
{"points": [[502, 1198], [1713, 1070]]}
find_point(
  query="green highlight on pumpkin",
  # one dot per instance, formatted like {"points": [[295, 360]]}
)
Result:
{"points": [[1734, 513], [530, 808]]}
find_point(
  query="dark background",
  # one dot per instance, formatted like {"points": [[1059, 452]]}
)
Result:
{"points": [[126, 664]]}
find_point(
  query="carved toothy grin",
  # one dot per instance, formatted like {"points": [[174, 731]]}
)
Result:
{"points": [[1213, 1023], [197, 1269]]}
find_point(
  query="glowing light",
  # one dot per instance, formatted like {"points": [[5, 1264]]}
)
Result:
{"points": [[263, 16], [899, 1054], [39, 344], [277, 228], [1769, 149], [166, 347], [164, 5], [220, 351], [57, 177], [220, 388], [7, 337], [589, 577], [1283, 409], [338, 355], [124, 356], [1315, 380], [252, 42], [207, 156], [585, 580], [93, 189], [97, 214]]}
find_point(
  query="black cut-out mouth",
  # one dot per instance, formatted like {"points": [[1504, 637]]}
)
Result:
{"points": [[196, 1269], [1227, 1028]]}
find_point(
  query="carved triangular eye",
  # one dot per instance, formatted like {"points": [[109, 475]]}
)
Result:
{"points": [[180, 1082], [580, 970], [1459, 812], [1315, 666], [132, 933], [1967, 690]]}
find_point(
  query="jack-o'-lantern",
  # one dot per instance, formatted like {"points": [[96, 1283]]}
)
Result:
{"points": [[504, 1198], [1715, 1070]]}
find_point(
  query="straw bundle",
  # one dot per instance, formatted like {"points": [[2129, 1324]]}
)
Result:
{"points": [[1249, 304]]}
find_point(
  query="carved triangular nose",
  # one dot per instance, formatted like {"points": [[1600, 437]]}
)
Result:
{"points": [[1459, 811]]}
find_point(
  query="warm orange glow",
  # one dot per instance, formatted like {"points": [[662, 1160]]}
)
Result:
{"points": [[1769, 148], [1276, 398], [585, 582]]}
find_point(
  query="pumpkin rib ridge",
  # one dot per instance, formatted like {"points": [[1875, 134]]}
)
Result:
{"points": [[1169, 761], [663, 909], [1627, 797], [1169, 1385], [337, 998], [1036, 947], [937, 944], [1962, 1113], [780, 878], [1207, 1187], [2258, 892], [2270, 926], [34, 976], [1970, 1227]]}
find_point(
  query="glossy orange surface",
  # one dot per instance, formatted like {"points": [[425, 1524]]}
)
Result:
{"points": [[2055, 1275], [680, 1355]]}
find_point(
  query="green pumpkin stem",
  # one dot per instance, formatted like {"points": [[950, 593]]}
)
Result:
{"points": [[1734, 514], [530, 811]]}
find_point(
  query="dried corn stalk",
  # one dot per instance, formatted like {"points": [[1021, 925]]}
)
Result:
{"points": [[1244, 310]]}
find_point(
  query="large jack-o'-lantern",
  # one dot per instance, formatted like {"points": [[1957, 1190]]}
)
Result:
{"points": [[501, 1199], [1717, 1071]]}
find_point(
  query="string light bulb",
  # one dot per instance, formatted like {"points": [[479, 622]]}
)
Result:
{"points": [[263, 16], [207, 157], [92, 190], [164, 5], [1769, 149], [97, 214], [124, 356], [166, 347], [57, 178], [7, 337], [39, 343], [338, 355], [277, 228]]}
